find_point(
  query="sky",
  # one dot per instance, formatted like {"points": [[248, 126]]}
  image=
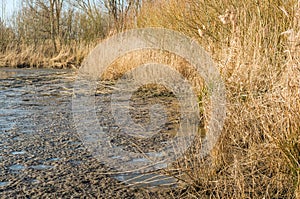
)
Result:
{"points": [[8, 7]]}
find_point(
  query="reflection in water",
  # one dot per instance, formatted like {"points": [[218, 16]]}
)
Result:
{"points": [[3, 184], [17, 167], [18, 152], [41, 167], [146, 180], [6, 74]]}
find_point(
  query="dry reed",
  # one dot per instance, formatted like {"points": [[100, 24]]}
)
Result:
{"points": [[256, 46]]}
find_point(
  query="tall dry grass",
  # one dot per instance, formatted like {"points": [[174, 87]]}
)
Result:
{"points": [[256, 45], [42, 55]]}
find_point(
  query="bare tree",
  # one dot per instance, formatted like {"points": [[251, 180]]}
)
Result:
{"points": [[119, 10], [95, 18], [44, 14]]}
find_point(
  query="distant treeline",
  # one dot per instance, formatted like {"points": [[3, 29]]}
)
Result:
{"points": [[55, 24]]}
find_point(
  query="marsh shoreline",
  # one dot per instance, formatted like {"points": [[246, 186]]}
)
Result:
{"points": [[41, 153]]}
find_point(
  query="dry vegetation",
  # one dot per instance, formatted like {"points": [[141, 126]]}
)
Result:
{"points": [[256, 45], [39, 56]]}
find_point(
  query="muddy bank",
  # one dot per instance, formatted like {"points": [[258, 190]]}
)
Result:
{"points": [[41, 155]]}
